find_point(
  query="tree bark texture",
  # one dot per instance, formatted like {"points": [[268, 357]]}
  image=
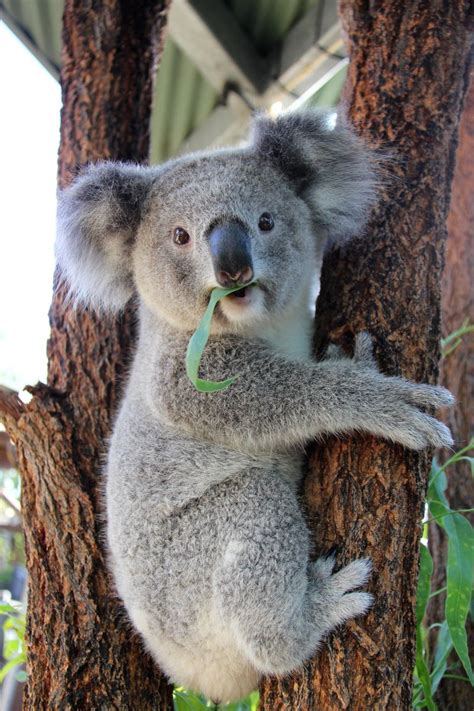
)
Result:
{"points": [[407, 77], [457, 371], [82, 653]]}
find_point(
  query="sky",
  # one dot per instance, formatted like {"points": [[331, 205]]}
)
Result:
{"points": [[29, 139]]}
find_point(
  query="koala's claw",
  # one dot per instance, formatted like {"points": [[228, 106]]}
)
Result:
{"points": [[397, 414], [428, 396], [350, 606], [440, 434], [351, 576], [401, 417], [331, 596], [323, 567], [414, 429]]}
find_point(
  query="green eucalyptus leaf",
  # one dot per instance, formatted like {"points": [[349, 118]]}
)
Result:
{"points": [[460, 455], [11, 648], [444, 645], [7, 609], [423, 593], [185, 700], [11, 664], [424, 583], [254, 698], [180, 703], [15, 623], [198, 342], [459, 569]]}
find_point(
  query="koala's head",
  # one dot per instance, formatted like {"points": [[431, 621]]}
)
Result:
{"points": [[257, 214]]}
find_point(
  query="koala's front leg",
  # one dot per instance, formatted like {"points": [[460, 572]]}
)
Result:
{"points": [[276, 403]]}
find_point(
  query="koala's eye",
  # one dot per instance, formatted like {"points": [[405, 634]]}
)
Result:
{"points": [[265, 222], [180, 236]]}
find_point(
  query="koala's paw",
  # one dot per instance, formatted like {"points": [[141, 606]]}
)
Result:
{"points": [[333, 602], [399, 411], [402, 418]]}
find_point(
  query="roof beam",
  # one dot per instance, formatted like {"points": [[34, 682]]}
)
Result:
{"points": [[225, 125], [311, 48], [311, 53], [208, 33]]}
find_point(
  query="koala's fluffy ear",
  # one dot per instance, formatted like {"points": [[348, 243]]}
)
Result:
{"points": [[98, 216], [329, 167]]}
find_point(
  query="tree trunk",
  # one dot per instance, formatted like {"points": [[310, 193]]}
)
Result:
{"points": [[82, 653], [407, 77], [457, 371]]}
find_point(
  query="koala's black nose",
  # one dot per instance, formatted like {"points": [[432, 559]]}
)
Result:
{"points": [[231, 254]]}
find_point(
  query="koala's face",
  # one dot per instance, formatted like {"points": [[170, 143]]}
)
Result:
{"points": [[255, 217], [223, 220]]}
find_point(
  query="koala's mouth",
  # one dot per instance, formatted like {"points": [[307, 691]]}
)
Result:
{"points": [[240, 294], [235, 305]]}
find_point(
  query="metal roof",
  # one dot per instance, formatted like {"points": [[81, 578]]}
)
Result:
{"points": [[221, 59], [268, 21]]}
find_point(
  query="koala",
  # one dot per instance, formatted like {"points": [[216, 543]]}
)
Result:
{"points": [[208, 545]]}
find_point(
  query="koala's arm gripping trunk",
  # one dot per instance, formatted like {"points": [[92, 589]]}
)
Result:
{"points": [[277, 403]]}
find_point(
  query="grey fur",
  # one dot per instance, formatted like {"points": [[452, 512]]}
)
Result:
{"points": [[208, 546]]}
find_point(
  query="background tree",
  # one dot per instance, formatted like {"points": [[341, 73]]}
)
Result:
{"points": [[407, 77], [81, 655], [457, 368]]}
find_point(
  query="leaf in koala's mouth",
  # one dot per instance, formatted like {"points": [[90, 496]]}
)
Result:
{"points": [[199, 339], [240, 294]]}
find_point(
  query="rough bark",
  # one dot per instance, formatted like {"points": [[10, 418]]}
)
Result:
{"points": [[457, 371], [407, 77], [7, 452], [81, 652]]}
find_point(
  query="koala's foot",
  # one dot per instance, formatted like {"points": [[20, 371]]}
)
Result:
{"points": [[279, 648], [280, 635], [332, 601]]}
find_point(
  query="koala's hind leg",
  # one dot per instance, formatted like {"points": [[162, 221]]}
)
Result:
{"points": [[278, 604]]}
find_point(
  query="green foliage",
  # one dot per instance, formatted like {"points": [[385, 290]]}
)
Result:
{"points": [[432, 663], [421, 669], [14, 640], [5, 573], [451, 342], [187, 701], [198, 342]]}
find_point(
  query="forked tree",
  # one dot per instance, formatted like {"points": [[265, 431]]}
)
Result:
{"points": [[408, 74]]}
